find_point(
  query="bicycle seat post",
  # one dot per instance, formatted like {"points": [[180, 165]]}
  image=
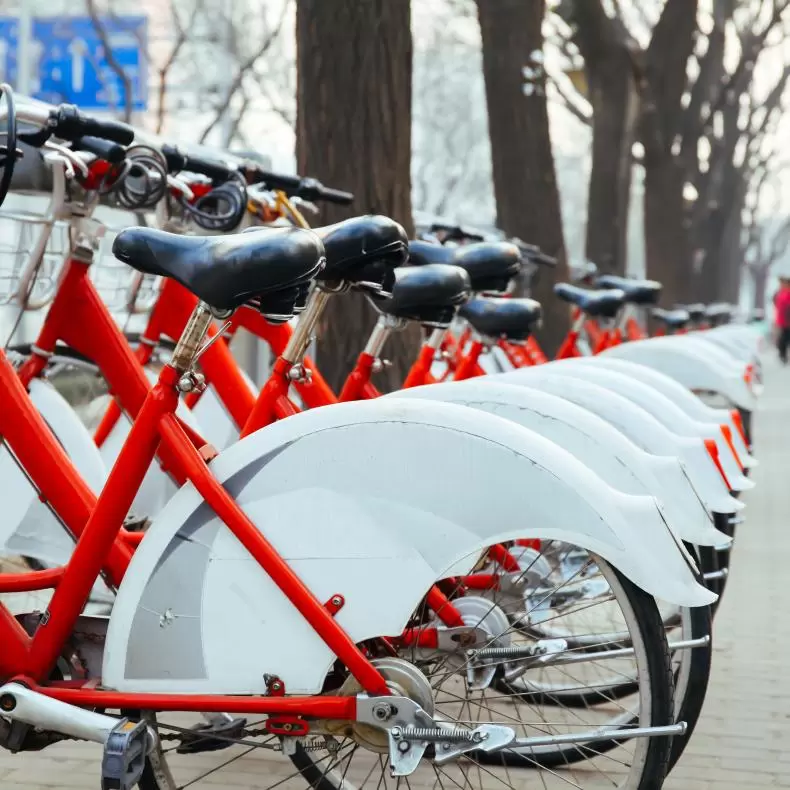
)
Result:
{"points": [[384, 327], [303, 331], [191, 338]]}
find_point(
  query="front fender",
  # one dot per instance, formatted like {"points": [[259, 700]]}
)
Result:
{"points": [[216, 424], [157, 486], [697, 368], [594, 442], [373, 501], [28, 527]]}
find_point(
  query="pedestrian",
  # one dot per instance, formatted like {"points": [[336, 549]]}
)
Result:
{"points": [[782, 318]]}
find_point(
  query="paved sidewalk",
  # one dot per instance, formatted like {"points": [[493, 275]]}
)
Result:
{"points": [[741, 740]]}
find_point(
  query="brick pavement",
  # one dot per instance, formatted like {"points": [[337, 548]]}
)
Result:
{"points": [[739, 742]]}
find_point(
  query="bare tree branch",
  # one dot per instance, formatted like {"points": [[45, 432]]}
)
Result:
{"points": [[182, 36], [242, 70], [570, 102], [752, 44], [112, 61]]}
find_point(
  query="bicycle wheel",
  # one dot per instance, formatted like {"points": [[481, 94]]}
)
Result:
{"points": [[688, 629], [351, 757]]}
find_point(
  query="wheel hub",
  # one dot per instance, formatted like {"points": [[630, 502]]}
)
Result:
{"points": [[403, 679]]}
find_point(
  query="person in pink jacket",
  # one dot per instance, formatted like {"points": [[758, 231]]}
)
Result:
{"points": [[782, 318]]}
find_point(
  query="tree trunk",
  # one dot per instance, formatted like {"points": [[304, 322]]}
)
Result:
{"points": [[525, 184], [353, 132], [759, 276], [719, 236], [662, 85], [731, 260], [666, 230], [615, 113]]}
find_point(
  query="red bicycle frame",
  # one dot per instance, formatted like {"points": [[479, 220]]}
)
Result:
{"points": [[79, 318], [100, 544]]}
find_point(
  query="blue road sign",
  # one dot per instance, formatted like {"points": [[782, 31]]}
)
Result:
{"points": [[71, 62]]}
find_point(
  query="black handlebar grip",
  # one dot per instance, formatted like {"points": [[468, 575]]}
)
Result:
{"points": [[103, 149], [336, 196], [177, 161], [69, 123], [287, 183], [546, 260]]}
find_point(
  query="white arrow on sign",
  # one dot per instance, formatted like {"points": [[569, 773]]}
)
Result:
{"points": [[78, 49]]}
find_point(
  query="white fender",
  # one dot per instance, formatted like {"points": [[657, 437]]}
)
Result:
{"points": [[373, 501], [28, 527], [696, 368], [594, 442], [747, 337], [725, 358], [638, 425], [742, 342], [157, 487], [216, 425], [664, 410], [678, 394], [734, 343]]}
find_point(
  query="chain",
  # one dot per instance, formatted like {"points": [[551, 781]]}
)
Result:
{"points": [[252, 732]]}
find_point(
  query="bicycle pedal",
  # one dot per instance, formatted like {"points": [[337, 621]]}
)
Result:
{"points": [[200, 739], [124, 756]]}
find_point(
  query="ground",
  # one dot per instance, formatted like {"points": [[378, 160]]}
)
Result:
{"points": [[740, 742]]}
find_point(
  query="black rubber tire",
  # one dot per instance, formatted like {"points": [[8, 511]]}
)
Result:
{"points": [[662, 686], [699, 677], [723, 523]]}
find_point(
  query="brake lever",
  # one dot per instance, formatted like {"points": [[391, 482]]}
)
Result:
{"points": [[174, 182], [303, 204], [69, 157]]}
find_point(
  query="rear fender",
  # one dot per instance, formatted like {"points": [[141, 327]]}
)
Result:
{"points": [[683, 398], [697, 367], [373, 501], [594, 442], [672, 417], [734, 343], [638, 425]]}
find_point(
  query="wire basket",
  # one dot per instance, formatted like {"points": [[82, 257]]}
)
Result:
{"points": [[122, 289], [33, 249]]}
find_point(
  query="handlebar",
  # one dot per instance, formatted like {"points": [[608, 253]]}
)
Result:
{"points": [[103, 149], [296, 186], [177, 161], [536, 255], [69, 123], [456, 232]]}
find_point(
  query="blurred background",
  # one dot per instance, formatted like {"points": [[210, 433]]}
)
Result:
{"points": [[644, 135]]}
